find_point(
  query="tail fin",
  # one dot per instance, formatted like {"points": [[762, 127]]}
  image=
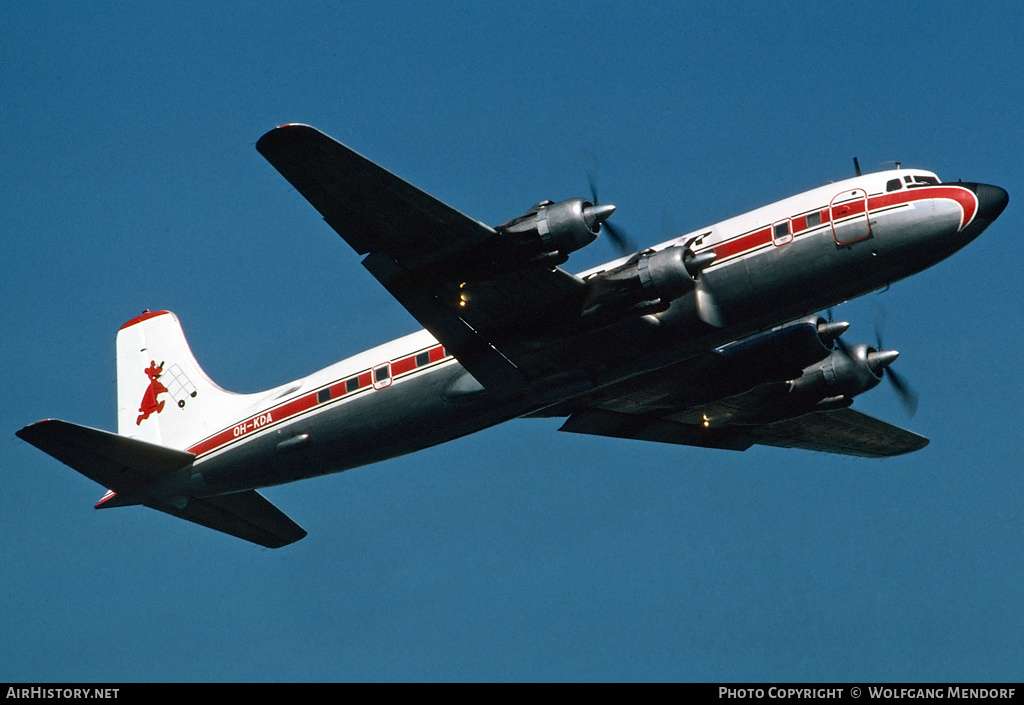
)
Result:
{"points": [[163, 396]]}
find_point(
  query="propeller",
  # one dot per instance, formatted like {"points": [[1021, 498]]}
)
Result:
{"points": [[620, 241], [880, 362], [904, 392], [707, 307]]}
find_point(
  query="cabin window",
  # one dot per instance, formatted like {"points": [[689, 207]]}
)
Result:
{"points": [[351, 385], [813, 219], [323, 395], [893, 185], [782, 232], [423, 359], [382, 375]]}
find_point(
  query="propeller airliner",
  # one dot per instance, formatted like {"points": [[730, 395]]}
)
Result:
{"points": [[710, 339]]}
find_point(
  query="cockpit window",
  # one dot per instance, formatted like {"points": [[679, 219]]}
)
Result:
{"points": [[893, 185], [920, 180]]}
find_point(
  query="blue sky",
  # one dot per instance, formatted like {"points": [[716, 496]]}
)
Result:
{"points": [[130, 181]]}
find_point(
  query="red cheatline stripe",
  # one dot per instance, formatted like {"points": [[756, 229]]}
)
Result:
{"points": [[964, 197], [744, 243], [758, 238], [287, 410], [406, 364]]}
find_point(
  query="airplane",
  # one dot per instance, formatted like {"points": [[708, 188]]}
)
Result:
{"points": [[711, 339]]}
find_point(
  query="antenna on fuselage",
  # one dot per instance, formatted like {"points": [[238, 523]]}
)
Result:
{"points": [[856, 166]]}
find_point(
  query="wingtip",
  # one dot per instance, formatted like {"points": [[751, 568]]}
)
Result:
{"points": [[265, 143], [27, 433]]}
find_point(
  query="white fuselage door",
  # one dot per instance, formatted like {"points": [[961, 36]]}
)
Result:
{"points": [[849, 215]]}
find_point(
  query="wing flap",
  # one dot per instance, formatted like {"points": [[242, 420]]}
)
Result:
{"points": [[246, 515], [843, 431], [490, 367], [601, 422]]}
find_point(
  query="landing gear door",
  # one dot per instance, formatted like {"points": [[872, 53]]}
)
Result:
{"points": [[849, 216]]}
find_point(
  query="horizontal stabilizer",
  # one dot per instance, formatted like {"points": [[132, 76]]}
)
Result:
{"points": [[128, 466], [247, 515], [125, 465]]}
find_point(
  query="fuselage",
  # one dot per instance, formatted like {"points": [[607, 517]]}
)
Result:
{"points": [[770, 265]]}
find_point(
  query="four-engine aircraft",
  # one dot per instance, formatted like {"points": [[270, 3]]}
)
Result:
{"points": [[710, 339]]}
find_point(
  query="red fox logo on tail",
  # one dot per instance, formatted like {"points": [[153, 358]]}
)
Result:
{"points": [[149, 403]]}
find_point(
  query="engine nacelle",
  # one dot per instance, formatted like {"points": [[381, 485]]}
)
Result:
{"points": [[647, 282], [844, 373], [829, 384], [785, 352], [555, 228]]}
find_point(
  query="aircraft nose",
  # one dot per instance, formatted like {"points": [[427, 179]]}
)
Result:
{"points": [[992, 201]]}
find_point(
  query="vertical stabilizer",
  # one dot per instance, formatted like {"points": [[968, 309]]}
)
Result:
{"points": [[163, 396]]}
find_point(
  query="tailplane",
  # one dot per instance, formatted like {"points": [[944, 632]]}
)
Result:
{"points": [[165, 405], [163, 395], [137, 472]]}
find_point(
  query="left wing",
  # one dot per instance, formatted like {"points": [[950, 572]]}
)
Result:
{"points": [[498, 319], [842, 431]]}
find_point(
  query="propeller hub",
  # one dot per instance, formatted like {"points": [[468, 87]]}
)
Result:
{"points": [[831, 331], [880, 359], [595, 215]]}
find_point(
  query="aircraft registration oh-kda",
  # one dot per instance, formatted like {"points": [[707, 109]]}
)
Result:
{"points": [[709, 339]]}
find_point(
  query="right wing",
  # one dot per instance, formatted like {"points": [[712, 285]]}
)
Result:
{"points": [[501, 324], [371, 208]]}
